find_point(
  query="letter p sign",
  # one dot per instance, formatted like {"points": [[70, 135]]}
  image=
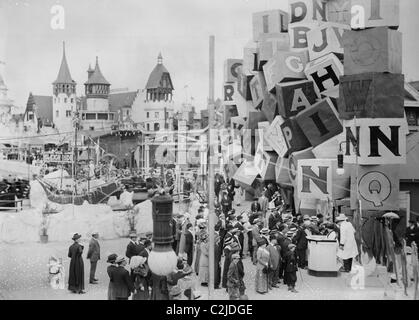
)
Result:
{"points": [[58, 18]]}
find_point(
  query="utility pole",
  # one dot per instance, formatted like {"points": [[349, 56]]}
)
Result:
{"points": [[211, 215]]}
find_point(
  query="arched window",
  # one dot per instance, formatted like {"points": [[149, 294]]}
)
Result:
{"points": [[156, 126]]}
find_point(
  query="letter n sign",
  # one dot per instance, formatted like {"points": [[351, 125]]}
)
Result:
{"points": [[380, 140], [314, 179]]}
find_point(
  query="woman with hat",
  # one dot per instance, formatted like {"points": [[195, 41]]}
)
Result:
{"points": [[348, 248], [204, 260], [233, 278], [230, 248], [262, 265], [76, 274], [112, 261]]}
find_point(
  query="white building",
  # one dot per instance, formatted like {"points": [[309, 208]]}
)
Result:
{"points": [[64, 98], [96, 113], [154, 107]]}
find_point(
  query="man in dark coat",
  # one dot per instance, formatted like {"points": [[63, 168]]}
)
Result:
{"points": [[273, 219], [147, 248], [239, 225], [94, 255], [189, 241], [283, 242], [122, 282], [218, 252], [300, 240], [274, 259], [134, 247], [255, 206], [76, 273]]}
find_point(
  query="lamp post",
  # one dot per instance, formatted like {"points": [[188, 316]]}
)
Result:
{"points": [[341, 171]]}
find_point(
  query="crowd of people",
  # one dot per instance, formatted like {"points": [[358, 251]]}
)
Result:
{"points": [[273, 238]]}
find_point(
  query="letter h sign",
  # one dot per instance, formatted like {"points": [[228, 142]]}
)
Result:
{"points": [[314, 179]]}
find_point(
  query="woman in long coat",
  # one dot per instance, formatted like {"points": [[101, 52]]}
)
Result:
{"points": [[262, 257], [109, 270], [204, 260], [230, 248], [76, 274]]}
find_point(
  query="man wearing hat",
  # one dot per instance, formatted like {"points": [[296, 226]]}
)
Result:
{"points": [[290, 270], [110, 269], [274, 260], [233, 278], [122, 282], [94, 256], [348, 248], [189, 242], [134, 248], [256, 237]]}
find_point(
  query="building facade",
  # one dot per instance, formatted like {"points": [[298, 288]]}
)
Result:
{"points": [[154, 108]]}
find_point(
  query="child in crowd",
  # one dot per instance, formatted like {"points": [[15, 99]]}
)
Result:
{"points": [[56, 273], [290, 274]]}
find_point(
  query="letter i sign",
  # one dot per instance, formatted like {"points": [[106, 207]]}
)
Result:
{"points": [[58, 18]]}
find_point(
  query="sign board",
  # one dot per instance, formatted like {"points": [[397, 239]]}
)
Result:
{"points": [[268, 45], [307, 11], [375, 13], [243, 82], [298, 35], [294, 136], [325, 73], [294, 97], [371, 95], [257, 88], [293, 162], [339, 11], [320, 122], [285, 66], [246, 174], [325, 39], [262, 132], [275, 137], [314, 179], [378, 187], [381, 141], [270, 106], [232, 69], [373, 50], [281, 171], [57, 157], [265, 22]]}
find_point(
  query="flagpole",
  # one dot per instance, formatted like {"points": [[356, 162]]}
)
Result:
{"points": [[211, 215]]}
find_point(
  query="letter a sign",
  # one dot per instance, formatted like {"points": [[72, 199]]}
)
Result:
{"points": [[314, 179]]}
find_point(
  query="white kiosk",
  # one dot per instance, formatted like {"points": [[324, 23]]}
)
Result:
{"points": [[322, 259]]}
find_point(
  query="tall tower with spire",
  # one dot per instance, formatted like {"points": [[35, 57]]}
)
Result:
{"points": [[64, 97], [156, 107], [97, 90]]}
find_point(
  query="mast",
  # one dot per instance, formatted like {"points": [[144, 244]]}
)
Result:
{"points": [[211, 193]]}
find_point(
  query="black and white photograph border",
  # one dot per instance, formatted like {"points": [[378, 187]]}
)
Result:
{"points": [[209, 150]]}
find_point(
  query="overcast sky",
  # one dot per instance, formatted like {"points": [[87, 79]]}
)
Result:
{"points": [[127, 35]]}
